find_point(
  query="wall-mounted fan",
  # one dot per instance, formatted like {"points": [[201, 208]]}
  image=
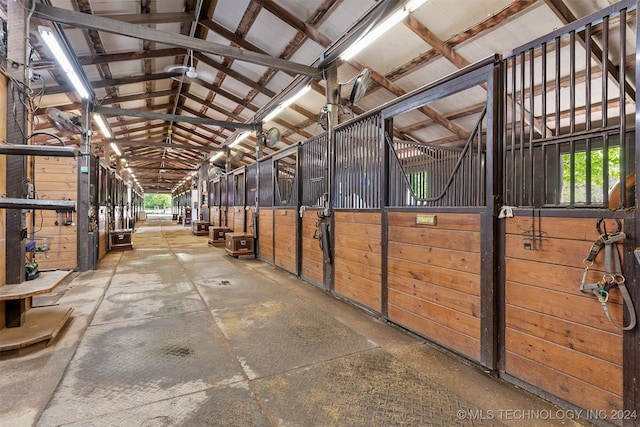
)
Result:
{"points": [[237, 156], [65, 123], [360, 84], [214, 172], [272, 137]]}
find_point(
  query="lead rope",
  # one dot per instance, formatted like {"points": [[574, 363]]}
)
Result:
{"points": [[610, 279]]}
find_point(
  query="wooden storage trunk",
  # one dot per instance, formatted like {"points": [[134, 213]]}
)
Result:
{"points": [[200, 228], [238, 244], [120, 239], [217, 235], [186, 216]]}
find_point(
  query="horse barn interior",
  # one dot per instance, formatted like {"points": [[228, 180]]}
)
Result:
{"points": [[462, 171]]}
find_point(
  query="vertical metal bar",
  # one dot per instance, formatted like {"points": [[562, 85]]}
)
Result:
{"points": [[572, 82], [531, 186], [605, 71], [623, 106], [557, 87], [543, 119], [631, 339], [521, 159], [587, 106]]}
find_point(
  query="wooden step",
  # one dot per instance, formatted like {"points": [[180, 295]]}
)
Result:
{"points": [[42, 324]]}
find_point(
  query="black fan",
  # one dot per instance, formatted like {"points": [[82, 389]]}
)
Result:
{"points": [[238, 156], [272, 137], [360, 86], [214, 172], [66, 123]]}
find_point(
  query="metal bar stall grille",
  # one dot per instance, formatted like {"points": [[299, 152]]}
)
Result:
{"points": [[285, 182], [265, 179], [230, 189], [358, 164], [566, 141], [426, 175], [313, 158], [252, 184], [214, 193], [239, 189]]}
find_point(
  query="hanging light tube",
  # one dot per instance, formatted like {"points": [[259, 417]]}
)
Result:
{"points": [[61, 56], [380, 29], [102, 125], [240, 138], [284, 104], [216, 157], [115, 148]]}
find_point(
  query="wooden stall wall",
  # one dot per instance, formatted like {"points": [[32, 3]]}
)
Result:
{"points": [[103, 220], [56, 178], [265, 234], [434, 278], [214, 216], [3, 190], [312, 256], [237, 218], [557, 338], [285, 241], [357, 258]]}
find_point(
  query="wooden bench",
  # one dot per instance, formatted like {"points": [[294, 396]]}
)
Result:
{"points": [[25, 325]]}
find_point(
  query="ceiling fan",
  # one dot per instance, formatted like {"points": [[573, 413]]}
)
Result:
{"points": [[184, 72]]}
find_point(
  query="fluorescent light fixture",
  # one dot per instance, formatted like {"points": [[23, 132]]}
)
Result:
{"points": [[380, 29], [240, 138], [115, 148], [273, 113], [129, 170], [216, 157], [297, 96], [285, 104], [59, 53], [102, 124]]}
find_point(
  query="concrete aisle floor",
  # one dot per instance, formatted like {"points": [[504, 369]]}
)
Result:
{"points": [[177, 333]]}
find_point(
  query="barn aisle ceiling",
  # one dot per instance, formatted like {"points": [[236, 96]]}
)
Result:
{"points": [[178, 81]]}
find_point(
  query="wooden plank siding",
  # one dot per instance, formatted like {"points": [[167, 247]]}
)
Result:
{"points": [[358, 258], [434, 278], [56, 178], [3, 190], [265, 234], [285, 240], [238, 219], [312, 256], [214, 216], [557, 338]]}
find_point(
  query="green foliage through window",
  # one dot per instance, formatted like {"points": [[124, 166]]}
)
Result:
{"points": [[157, 201], [597, 174]]}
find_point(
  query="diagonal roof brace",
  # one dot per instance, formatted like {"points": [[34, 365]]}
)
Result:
{"points": [[83, 20]]}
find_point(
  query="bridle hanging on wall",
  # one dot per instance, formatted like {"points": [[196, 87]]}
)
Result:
{"points": [[613, 272]]}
